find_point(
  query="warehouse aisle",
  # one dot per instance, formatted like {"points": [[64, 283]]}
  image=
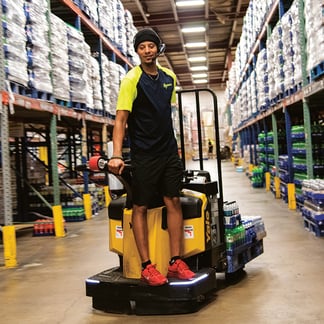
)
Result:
{"points": [[283, 285]]}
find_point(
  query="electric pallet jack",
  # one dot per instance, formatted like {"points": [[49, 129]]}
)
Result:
{"points": [[120, 290]]}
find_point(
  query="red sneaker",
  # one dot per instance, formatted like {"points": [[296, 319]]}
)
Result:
{"points": [[180, 270], [152, 276]]}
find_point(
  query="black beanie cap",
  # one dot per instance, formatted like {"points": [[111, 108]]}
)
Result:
{"points": [[146, 35]]}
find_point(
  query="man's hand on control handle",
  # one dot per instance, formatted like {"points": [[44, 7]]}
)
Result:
{"points": [[116, 166]]}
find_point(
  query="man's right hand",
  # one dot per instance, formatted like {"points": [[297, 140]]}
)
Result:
{"points": [[116, 165]]}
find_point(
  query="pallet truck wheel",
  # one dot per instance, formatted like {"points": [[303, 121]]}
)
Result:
{"points": [[97, 163], [234, 277]]}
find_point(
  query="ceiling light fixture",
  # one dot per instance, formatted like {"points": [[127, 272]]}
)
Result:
{"points": [[200, 81], [198, 29], [197, 44], [190, 3], [197, 59], [198, 68], [199, 75]]}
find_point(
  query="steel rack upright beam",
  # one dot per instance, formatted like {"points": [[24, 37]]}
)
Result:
{"points": [[5, 155], [250, 144], [289, 147], [54, 161], [276, 142], [306, 110], [265, 129], [8, 231], [255, 143], [56, 208]]}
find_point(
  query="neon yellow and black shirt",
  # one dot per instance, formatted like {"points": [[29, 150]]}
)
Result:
{"points": [[149, 102]]}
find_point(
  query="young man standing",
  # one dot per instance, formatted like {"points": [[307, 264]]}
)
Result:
{"points": [[144, 105]]}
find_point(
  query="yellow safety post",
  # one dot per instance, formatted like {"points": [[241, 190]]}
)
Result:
{"points": [[267, 181], [43, 156], [10, 246], [58, 221], [107, 196], [277, 186], [87, 205], [291, 196]]}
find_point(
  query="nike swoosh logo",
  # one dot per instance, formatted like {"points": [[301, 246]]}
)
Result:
{"points": [[167, 85]]}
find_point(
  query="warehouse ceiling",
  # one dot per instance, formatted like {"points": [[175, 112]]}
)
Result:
{"points": [[222, 19]]}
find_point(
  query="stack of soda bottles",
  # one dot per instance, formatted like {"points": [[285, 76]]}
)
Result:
{"points": [[73, 213], [44, 227], [243, 236], [234, 231], [257, 177]]}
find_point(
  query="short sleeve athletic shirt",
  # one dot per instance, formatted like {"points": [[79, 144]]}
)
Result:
{"points": [[149, 102]]}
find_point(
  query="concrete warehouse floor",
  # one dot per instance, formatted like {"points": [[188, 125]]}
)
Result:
{"points": [[283, 285]]}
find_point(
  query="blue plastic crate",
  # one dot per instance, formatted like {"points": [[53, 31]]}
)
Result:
{"points": [[317, 71], [284, 176], [64, 103], [270, 150], [4, 6], [313, 227], [300, 135], [18, 88], [316, 196], [232, 221], [299, 167], [299, 151], [298, 182], [283, 165], [300, 199], [38, 94], [248, 252], [78, 105], [283, 188], [316, 216]]}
